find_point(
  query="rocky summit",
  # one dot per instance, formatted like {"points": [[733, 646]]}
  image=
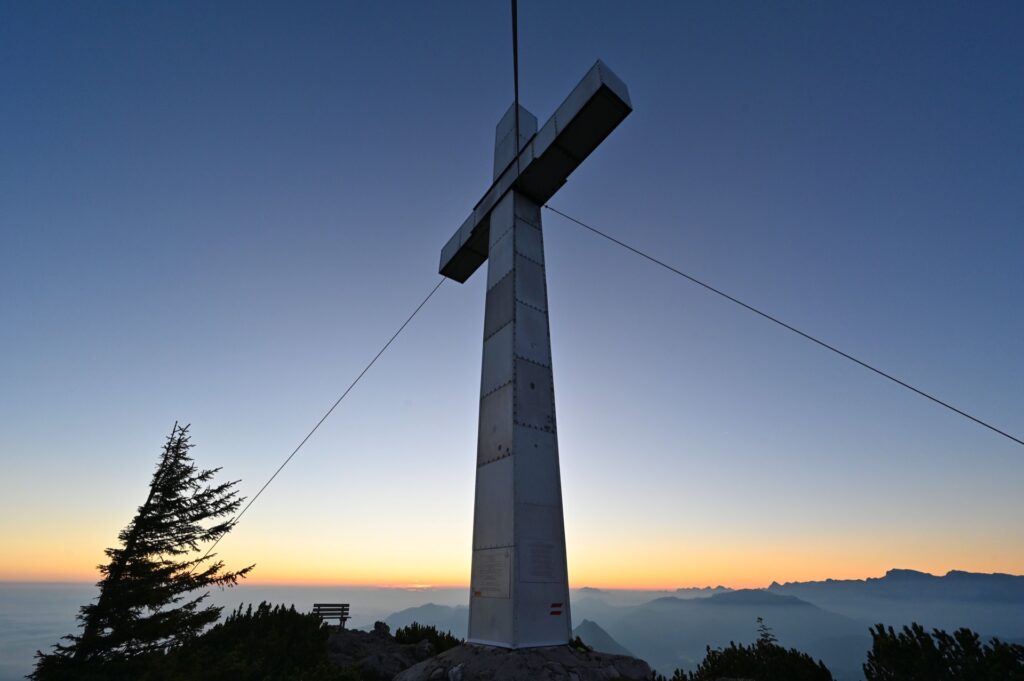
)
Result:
{"points": [[469, 662], [375, 654]]}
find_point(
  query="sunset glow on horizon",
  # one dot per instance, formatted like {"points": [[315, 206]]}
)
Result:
{"points": [[675, 567]]}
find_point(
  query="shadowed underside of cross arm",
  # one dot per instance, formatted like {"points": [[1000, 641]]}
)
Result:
{"points": [[591, 111]]}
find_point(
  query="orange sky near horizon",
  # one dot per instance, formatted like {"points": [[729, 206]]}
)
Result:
{"points": [[666, 541], [750, 563]]}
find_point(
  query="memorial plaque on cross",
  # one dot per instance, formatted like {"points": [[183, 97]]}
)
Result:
{"points": [[519, 587]]}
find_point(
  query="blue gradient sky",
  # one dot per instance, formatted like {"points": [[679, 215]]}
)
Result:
{"points": [[218, 213]]}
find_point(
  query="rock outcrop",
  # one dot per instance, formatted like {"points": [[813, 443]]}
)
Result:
{"points": [[562, 663], [375, 654]]}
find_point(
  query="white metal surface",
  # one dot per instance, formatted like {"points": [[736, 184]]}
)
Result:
{"points": [[519, 589], [518, 534]]}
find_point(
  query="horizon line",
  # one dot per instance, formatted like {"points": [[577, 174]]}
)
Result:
{"points": [[428, 587]]}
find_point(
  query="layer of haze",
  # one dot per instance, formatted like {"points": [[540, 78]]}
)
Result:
{"points": [[217, 213]]}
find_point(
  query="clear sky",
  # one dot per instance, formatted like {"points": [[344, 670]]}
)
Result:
{"points": [[217, 213]]}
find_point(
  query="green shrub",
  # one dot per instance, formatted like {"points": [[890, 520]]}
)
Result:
{"points": [[760, 661], [416, 632], [270, 642], [764, 660], [915, 655], [578, 644]]}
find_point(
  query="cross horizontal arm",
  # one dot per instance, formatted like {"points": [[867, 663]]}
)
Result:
{"points": [[591, 111]]}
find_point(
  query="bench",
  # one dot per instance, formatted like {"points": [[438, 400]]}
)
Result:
{"points": [[330, 611]]}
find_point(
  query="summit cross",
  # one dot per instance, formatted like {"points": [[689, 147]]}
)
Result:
{"points": [[519, 586]]}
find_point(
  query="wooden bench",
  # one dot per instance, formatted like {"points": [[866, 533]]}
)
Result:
{"points": [[330, 611]]}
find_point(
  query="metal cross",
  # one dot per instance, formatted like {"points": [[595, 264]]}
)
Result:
{"points": [[519, 588]]}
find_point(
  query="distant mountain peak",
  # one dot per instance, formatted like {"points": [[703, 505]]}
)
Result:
{"points": [[904, 585], [668, 600], [702, 590], [902, 573], [597, 638], [445, 617], [756, 597]]}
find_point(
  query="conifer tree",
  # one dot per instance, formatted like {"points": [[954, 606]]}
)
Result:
{"points": [[151, 593]]}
